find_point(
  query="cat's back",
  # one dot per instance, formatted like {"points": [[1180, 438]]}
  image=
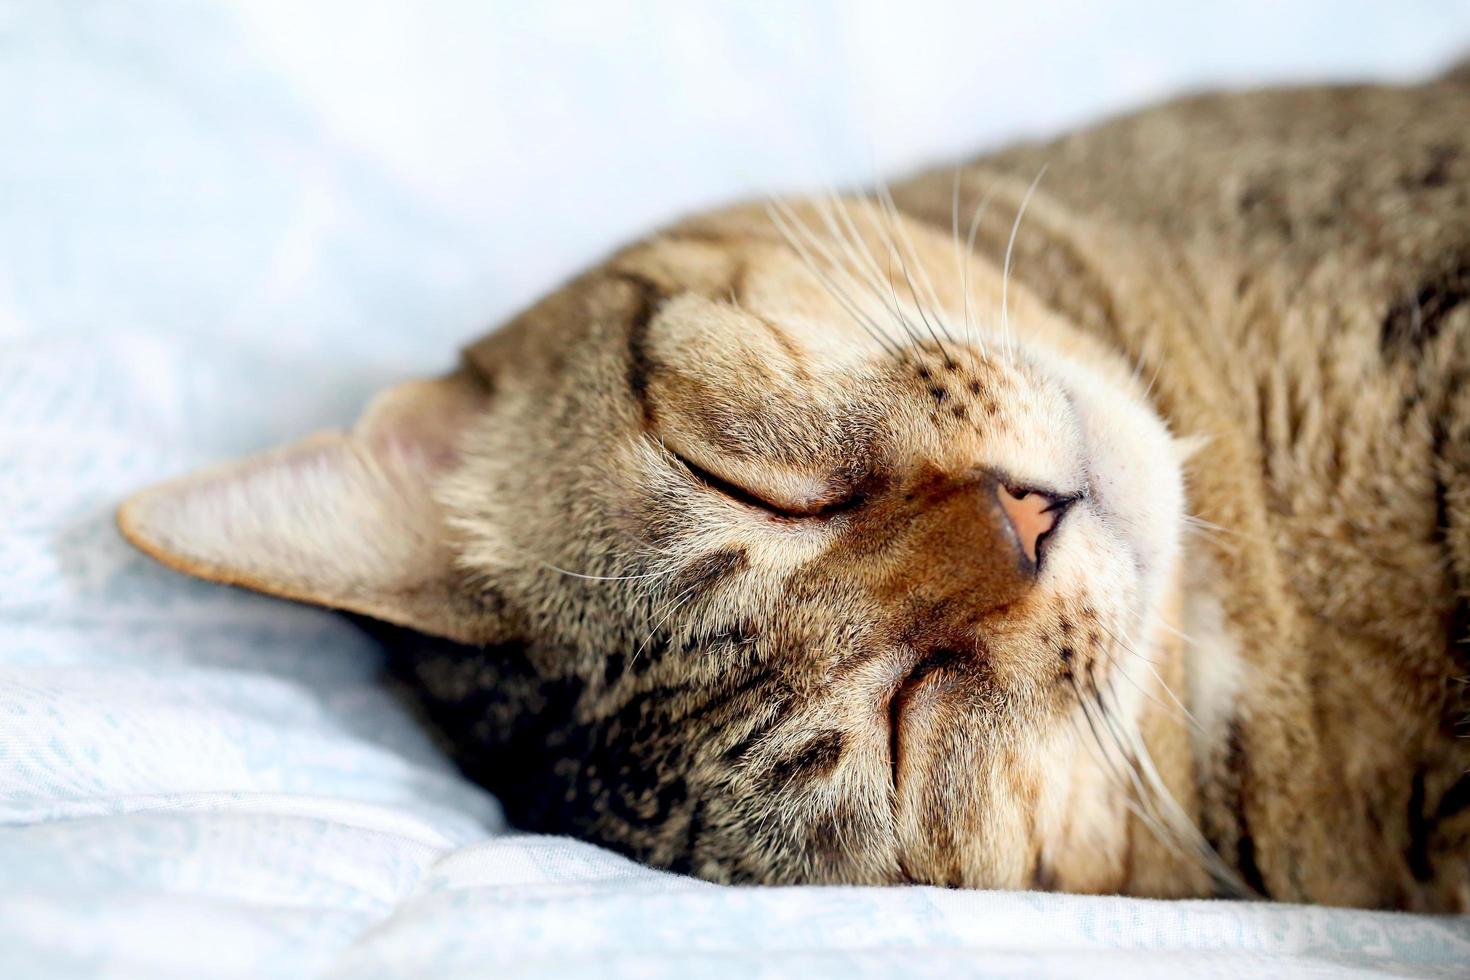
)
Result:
{"points": [[1292, 175], [1372, 182]]}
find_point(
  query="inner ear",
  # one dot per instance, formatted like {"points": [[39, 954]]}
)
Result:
{"points": [[344, 520]]}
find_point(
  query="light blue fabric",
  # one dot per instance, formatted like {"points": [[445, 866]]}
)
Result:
{"points": [[223, 226]]}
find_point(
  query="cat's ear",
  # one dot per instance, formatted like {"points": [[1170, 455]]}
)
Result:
{"points": [[345, 520]]}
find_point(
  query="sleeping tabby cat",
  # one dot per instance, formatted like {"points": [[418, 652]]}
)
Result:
{"points": [[1109, 533]]}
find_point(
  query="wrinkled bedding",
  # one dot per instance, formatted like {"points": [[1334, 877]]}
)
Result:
{"points": [[222, 226]]}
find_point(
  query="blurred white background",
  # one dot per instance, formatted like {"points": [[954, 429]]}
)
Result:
{"points": [[343, 168]]}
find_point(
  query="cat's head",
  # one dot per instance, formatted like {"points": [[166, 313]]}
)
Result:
{"points": [[856, 569]]}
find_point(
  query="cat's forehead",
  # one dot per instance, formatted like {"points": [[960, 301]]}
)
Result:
{"points": [[719, 290], [806, 385], [729, 341]]}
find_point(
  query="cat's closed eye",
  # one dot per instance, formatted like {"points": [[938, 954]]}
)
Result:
{"points": [[823, 503]]}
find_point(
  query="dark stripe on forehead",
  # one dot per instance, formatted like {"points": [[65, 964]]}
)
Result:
{"points": [[648, 300]]}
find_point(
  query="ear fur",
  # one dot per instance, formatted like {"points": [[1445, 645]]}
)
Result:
{"points": [[345, 520]]}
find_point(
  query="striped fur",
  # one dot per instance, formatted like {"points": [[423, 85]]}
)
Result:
{"points": [[723, 580]]}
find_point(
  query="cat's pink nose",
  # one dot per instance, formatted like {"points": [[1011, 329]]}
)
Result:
{"points": [[1032, 515]]}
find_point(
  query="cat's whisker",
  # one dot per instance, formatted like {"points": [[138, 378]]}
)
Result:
{"points": [[1154, 380], [1153, 668], [1223, 535], [922, 272], [859, 255], [1206, 534], [919, 305], [1194, 520], [675, 604], [1218, 534], [1005, 278], [1136, 376], [894, 248], [1155, 804], [1176, 631], [1092, 743], [787, 222], [873, 329], [884, 280], [1118, 667], [606, 578], [651, 548], [810, 247], [954, 234], [966, 258], [1183, 708], [1123, 643], [863, 256], [917, 342], [1113, 768], [1135, 796], [1172, 814]]}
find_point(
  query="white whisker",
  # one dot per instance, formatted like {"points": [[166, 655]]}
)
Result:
{"points": [[975, 218], [1005, 279], [863, 320], [606, 578], [897, 224], [859, 256]]}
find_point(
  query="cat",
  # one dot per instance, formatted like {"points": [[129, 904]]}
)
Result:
{"points": [[1093, 516]]}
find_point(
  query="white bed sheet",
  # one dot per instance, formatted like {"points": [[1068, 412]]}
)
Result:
{"points": [[222, 226]]}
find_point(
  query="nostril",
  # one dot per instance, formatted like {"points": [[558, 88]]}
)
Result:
{"points": [[1032, 515]]}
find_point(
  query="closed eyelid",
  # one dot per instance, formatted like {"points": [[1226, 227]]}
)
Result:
{"points": [[798, 496]]}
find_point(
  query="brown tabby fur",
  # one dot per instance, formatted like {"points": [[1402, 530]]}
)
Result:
{"points": [[1269, 700]]}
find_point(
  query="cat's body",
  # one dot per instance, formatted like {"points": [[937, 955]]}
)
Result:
{"points": [[733, 535]]}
